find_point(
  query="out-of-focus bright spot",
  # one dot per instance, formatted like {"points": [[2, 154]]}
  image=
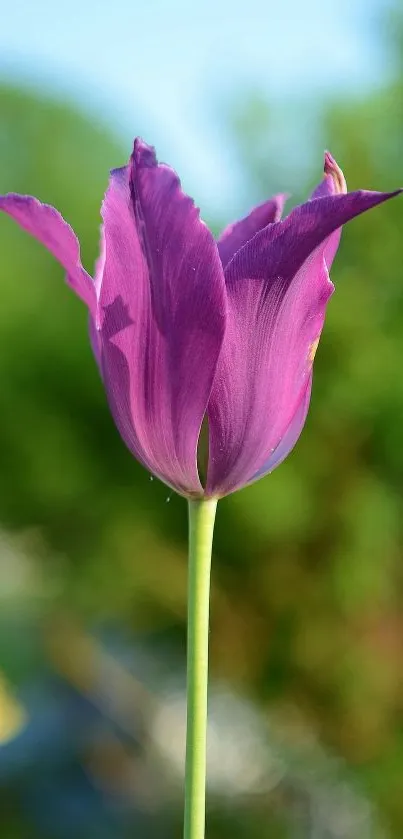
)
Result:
{"points": [[20, 574], [13, 716], [236, 765], [15, 569]]}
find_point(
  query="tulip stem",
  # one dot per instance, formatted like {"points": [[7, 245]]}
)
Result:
{"points": [[201, 527]]}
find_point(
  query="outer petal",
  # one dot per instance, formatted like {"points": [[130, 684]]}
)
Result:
{"points": [[48, 226], [290, 438], [238, 234], [161, 318], [278, 287]]}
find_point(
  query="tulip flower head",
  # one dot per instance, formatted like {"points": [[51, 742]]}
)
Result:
{"points": [[191, 333]]}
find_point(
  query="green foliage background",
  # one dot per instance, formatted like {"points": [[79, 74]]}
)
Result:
{"points": [[308, 575]]}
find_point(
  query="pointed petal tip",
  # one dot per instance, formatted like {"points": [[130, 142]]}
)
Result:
{"points": [[44, 223], [271, 210], [143, 154], [329, 160], [283, 197], [236, 235], [379, 196], [280, 199], [332, 169]]}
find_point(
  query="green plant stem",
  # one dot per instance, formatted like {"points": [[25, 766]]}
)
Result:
{"points": [[201, 527]]}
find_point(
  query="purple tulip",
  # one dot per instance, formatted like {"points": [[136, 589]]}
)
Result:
{"points": [[185, 329]]}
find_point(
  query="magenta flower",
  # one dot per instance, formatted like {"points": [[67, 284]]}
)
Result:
{"points": [[184, 328]]}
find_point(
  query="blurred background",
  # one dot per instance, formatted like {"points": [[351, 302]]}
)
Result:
{"points": [[306, 710]]}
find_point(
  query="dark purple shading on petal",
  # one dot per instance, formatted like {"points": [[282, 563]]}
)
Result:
{"points": [[277, 287], [49, 227], [236, 235], [161, 318]]}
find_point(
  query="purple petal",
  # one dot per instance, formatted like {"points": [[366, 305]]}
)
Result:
{"points": [[236, 235], [264, 369], [278, 287], [161, 319], [290, 438], [333, 183], [49, 227]]}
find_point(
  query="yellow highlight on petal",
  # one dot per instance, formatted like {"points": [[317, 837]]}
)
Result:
{"points": [[312, 351], [13, 716]]}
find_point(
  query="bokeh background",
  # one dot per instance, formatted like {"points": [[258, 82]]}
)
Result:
{"points": [[306, 710]]}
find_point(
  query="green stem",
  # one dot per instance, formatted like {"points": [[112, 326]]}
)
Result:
{"points": [[201, 527]]}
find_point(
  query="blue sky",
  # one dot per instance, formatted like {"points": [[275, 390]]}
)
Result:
{"points": [[163, 69]]}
